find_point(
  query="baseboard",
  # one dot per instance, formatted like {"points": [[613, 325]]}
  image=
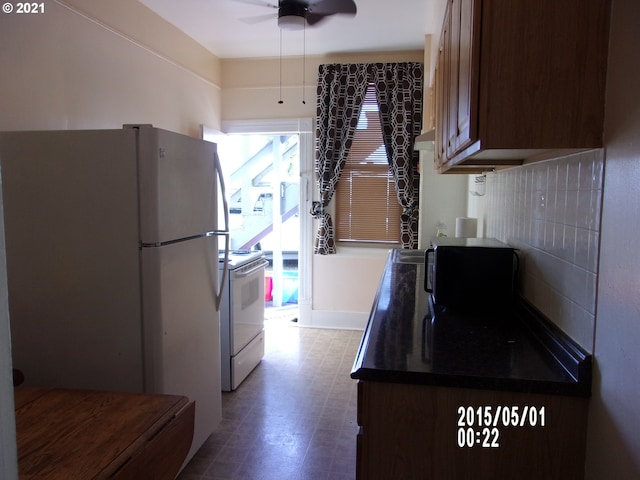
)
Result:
{"points": [[335, 319]]}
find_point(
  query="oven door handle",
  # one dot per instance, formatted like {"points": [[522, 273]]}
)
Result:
{"points": [[262, 264]]}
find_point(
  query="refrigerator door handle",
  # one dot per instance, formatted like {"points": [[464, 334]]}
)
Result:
{"points": [[225, 231], [225, 270], [223, 193]]}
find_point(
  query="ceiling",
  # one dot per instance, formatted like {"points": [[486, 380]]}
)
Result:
{"points": [[224, 27]]}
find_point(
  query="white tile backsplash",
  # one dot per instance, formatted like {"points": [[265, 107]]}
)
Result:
{"points": [[551, 212]]}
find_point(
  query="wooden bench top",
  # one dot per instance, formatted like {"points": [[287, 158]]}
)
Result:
{"points": [[83, 434]]}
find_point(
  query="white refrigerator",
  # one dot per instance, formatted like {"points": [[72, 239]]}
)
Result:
{"points": [[112, 258]]}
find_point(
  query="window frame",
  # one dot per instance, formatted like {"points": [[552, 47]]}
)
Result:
{"points": [[366, 162]]}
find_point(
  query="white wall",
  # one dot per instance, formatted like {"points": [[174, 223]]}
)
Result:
{"points": [[344, 286], [613, 449], [443, 198], [66, 70], [251, 87]]}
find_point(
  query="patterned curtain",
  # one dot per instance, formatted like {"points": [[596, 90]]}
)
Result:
{"points": [[399, 92], [341, 90]]}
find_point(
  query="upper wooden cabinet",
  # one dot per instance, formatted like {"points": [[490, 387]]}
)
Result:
{"points": [[519, 80]]}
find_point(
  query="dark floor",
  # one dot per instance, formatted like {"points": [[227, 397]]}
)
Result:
{"points": [[294, 417]]}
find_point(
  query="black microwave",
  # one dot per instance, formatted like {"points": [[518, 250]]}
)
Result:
{"points": [[471, 274]]}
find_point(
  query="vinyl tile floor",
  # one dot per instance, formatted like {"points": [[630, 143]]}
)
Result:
{"points": [[294, 417]]}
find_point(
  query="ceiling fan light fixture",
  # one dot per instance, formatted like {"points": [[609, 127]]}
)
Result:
{"points": [[291, 22], [292, 15]]}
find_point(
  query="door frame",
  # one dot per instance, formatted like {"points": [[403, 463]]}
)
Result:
{"points": [[304, 127]]}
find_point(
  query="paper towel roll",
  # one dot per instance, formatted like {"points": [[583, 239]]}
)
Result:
{"points": [[466, 227]]}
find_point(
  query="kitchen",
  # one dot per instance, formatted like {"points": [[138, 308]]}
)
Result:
{"points": [[106, 82]]}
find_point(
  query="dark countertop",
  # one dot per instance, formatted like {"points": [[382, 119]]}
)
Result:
{"points": [[404, 342]]}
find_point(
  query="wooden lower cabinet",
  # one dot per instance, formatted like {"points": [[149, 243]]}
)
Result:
{"points": [[426, 432]]}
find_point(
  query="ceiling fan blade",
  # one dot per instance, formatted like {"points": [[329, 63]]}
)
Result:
{"points": [[330, 7], [260, 3], [314, 19], [259, 18]]}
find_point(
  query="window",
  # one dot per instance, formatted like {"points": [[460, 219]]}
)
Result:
{"points": [[367, 208]]}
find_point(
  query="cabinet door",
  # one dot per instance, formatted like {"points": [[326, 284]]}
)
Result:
{"points": [[519, 82], [467, 94], [451, 58], [440, 111]]}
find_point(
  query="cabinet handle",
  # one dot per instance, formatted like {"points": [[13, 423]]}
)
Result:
{"points": [[428, 281]]}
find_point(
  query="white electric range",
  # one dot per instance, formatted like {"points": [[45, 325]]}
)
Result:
{"points": [[242, 316]]}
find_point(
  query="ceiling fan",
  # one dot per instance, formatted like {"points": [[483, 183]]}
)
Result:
{"points": [[297, 14]]}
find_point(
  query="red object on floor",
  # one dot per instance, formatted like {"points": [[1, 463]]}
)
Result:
{"points": [[268, 288]]}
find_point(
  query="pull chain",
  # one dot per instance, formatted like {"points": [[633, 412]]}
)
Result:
{"points": [[304, 58], [280, 101]]}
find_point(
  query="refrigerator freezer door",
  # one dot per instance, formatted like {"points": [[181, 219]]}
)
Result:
{"points": [[178, 186], [182, 328]]}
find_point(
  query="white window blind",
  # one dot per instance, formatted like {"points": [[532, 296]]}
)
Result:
{"points": [[367, 208]]}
